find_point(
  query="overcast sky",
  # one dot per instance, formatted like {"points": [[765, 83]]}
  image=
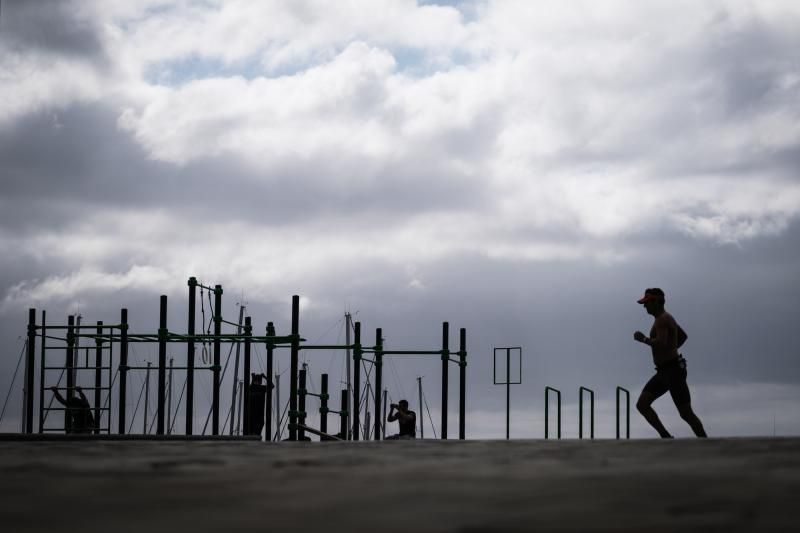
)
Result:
{"points": [[523, 169]]}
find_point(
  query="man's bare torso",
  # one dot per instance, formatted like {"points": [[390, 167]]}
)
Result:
{"points": [[665, 334]]}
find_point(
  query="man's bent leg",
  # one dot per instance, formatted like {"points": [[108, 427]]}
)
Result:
{"points": [[643, 404], [688, 415]]}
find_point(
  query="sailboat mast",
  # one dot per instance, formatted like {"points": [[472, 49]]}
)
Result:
{"points": [[236, 368], [422, 419]]}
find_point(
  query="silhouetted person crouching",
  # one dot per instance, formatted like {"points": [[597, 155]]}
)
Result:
{"points": [[406, 419], [666, 336], [79, 411]]}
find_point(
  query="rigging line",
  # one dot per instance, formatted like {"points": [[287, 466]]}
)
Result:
{"points": [[221, 380], [136, 410], [425, 400], [279, 430], [333, 352], [305, 356], [259, 358], [11, 387], [110, 388], [211, 310], [153, 423], [396, 378], [177, 408]]}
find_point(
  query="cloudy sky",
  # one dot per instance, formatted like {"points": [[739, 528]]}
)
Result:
{"points": [[523, 169]]}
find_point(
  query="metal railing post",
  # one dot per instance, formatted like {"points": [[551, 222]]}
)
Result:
{"points": [[581, 390], [627, 412], [547, 390]]}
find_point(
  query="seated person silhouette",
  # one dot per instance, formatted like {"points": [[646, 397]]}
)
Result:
{"points": [[405, 418], [79, 412]]}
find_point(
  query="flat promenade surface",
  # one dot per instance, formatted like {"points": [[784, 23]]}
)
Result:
{"points": [[424, 486]]}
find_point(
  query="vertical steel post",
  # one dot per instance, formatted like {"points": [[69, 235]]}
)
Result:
{"points": [[190, 356], [217, 333], [301, 415], [30, 365], [508, 392], [343, 414], [462, 383], [123, 369], [323, 409], [70, 363], [294, 354], [42, 371], [348, 319], [98, 378], [162, 364], [270, 384], [248, 333], [356, 415], [378, 379], [445, 367]]}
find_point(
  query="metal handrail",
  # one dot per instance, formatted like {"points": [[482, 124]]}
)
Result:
{"points": [[580, 412], [627, 412], [547, 411]]}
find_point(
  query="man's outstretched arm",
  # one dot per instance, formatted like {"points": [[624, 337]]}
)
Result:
{"points": [[57, 395]]}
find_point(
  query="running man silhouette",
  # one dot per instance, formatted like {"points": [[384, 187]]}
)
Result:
{"points": [[666, 336]]}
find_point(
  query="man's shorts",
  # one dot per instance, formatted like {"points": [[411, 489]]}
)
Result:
{"points": [[670, 377]]}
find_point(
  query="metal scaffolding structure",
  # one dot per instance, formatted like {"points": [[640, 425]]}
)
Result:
{"points": [[105, 339]]}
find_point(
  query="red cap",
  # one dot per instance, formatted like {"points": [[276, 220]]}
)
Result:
{"points": [[651, 295]]}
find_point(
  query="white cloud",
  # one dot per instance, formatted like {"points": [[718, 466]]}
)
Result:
{"points": [[572, 128]]}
